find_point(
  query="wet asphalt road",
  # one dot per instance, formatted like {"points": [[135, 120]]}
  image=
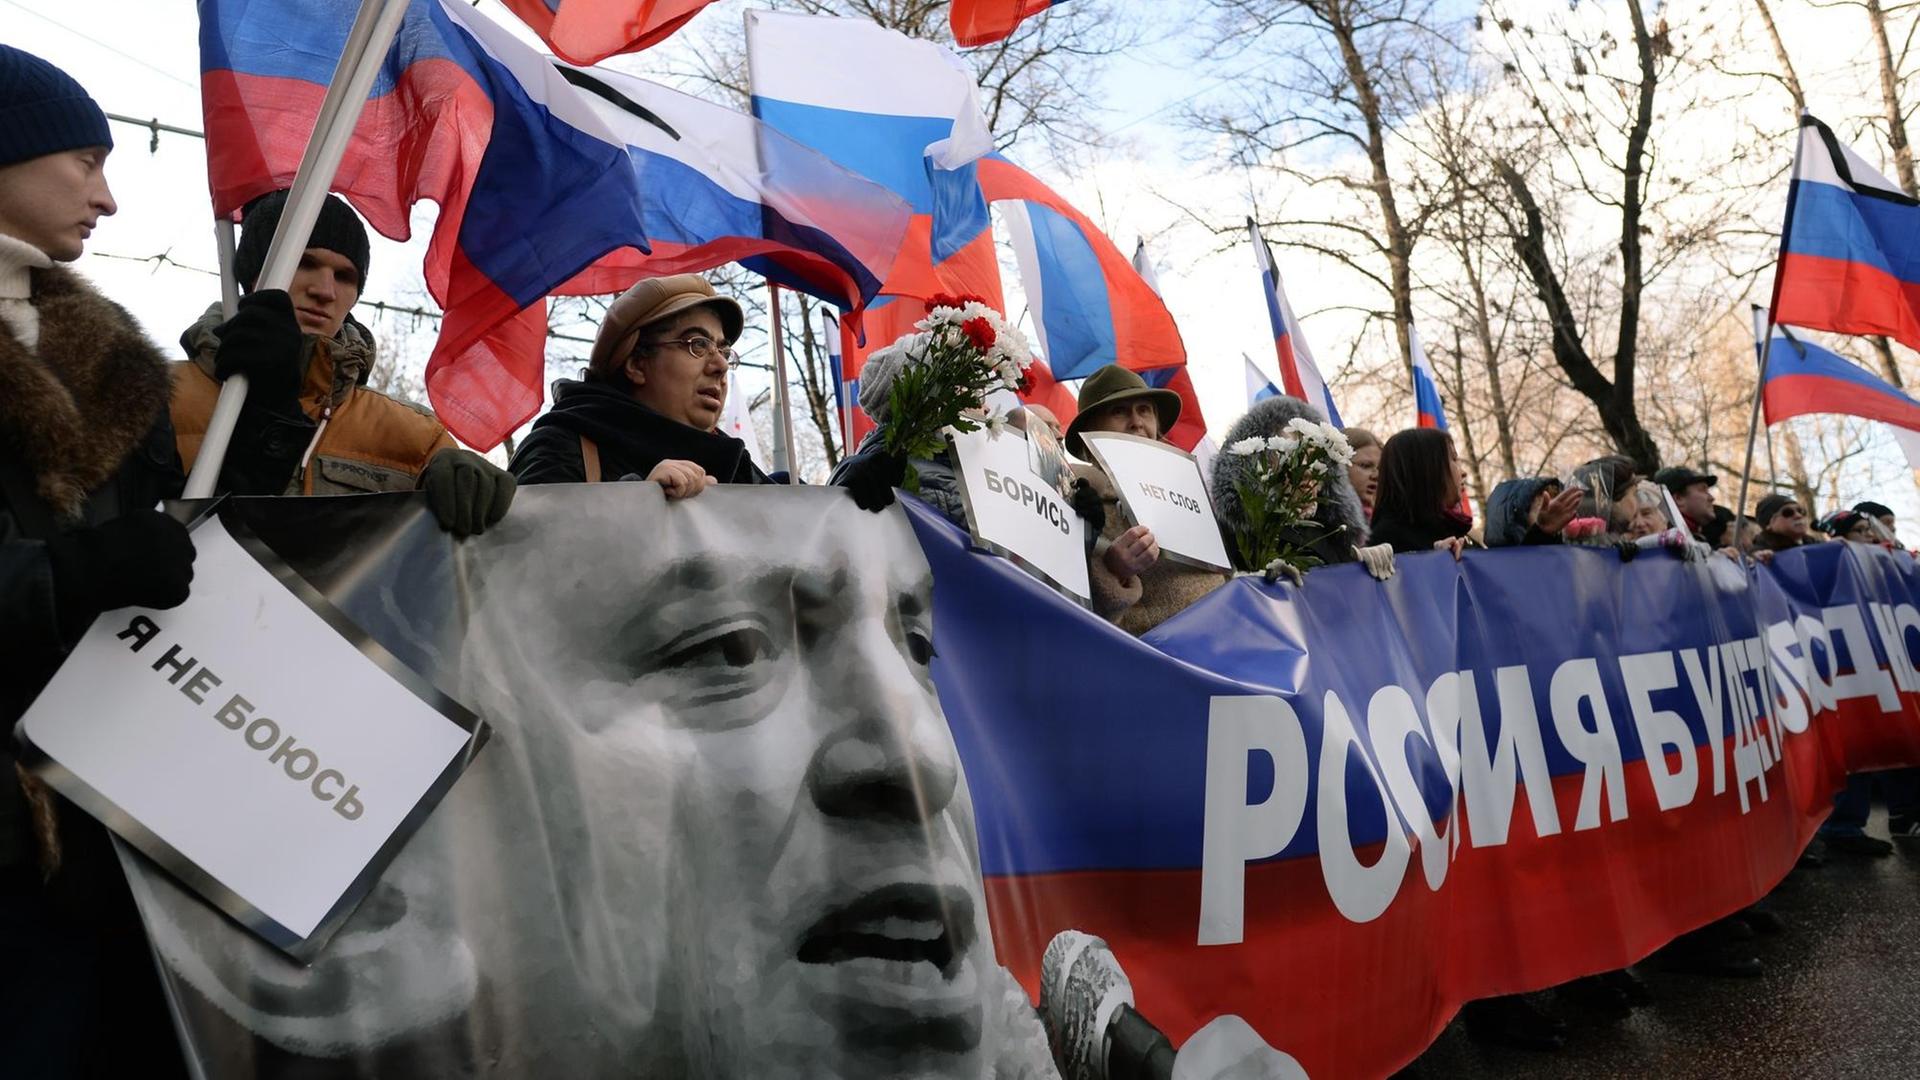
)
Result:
{"points": [[1840, 997]]}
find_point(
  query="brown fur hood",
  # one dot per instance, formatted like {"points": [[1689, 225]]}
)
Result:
{"points": [[78, 408]]}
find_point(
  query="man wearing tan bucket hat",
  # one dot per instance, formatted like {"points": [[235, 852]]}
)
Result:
{"points": [[650, 402]]}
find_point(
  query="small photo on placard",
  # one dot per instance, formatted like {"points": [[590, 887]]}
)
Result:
{"points": [[1161, 487], [1048, 458]]}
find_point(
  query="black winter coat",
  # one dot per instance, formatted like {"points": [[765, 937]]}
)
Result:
{"points": [[1408, 537], [631, 438], [84, 437]]}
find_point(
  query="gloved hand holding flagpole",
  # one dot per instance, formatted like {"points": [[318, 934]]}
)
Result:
{"points": [[366, 48]]}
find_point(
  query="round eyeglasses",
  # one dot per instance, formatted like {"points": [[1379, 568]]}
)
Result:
{"points": [[702, 349]]}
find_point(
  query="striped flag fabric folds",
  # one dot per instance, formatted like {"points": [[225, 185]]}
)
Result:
{"points": [[1259, 387], [589, 31], [1428, 412], [983, 22], [906, 115], [1299, 377], [1090, 307], [1190, 431], [1804, 378], [549, 180], [1850, 249]]}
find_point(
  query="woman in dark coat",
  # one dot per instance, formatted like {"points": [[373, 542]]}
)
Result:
{"points": [[1418, 508], [650, 403]]}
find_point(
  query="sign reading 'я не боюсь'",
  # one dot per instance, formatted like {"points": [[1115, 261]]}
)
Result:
{"points": [[252, 741]]}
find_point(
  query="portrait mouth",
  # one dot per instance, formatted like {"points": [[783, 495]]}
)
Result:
{"points": [[893, 970], [907, 923], [712, 394]]}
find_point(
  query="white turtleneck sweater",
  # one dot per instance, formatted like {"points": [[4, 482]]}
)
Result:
{"points": [[17, 257]]}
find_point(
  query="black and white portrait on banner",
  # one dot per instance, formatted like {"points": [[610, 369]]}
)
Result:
{"points": [[722, 828]]}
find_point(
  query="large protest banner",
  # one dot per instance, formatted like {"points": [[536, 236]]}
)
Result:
{"points": [[777, 781]]}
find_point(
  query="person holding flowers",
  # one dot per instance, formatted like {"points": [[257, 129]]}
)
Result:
{"points": [[937, 377], [1133, 587], [1282, 491]]}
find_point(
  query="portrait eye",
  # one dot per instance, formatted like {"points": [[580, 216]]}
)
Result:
{"points": [[920, 648], [727, 649]]}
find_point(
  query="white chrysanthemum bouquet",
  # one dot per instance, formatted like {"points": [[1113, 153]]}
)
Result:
{"points": [[1279, 493], [962, 351]]}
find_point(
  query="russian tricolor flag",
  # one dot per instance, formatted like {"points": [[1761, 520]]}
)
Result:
{"points": [[1850, 250], [983, 22], [1259, 387], [549, 180], [1426, 390], [1298, 375], [589, 31], [1090, 306], [1804, 378], [905, 114]]}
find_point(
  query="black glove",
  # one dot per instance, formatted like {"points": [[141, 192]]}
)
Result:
{"points": [[1091, 507], [141, 559], [872, 476], [263, 341], [1627, 549], [466, 492]]}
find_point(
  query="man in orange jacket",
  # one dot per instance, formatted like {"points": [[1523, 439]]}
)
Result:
{"points": [[311, 425]]}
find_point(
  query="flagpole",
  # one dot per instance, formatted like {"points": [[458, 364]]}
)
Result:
{"points": [[1753, 425], [1766, 339], [1760, 336], [843, 408], [787, 458], [223, 249], [361, 57]]}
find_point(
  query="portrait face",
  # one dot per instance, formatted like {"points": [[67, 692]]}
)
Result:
{"points": [[671, 376], [1647, 519], [1363, 472], [720, 829], [325, 287], [54, 201], [1136, 417], [1696, 502], [1789, 521], [781, 873]]}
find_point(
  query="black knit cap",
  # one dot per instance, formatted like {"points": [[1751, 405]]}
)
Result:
{"points": [[43, 110], [338, 230], [1771, 506]]}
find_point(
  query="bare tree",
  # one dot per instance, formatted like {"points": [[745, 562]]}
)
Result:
{"points": [[1339, 77], [1574, 122]]}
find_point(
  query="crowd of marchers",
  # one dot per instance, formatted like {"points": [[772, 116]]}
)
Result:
{"points": [[98, 427]]}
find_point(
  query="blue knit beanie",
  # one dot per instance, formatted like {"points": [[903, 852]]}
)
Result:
{"points": [[43, 111]]}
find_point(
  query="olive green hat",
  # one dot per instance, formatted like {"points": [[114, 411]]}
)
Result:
{"points": [[1112, 385]]}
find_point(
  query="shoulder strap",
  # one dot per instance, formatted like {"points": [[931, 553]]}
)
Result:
{"points": [[590, 456]]}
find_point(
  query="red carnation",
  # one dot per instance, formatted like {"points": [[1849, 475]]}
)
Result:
{"points": [[949, 300], [980, 332]]}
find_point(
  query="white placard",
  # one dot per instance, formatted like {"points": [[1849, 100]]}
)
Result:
{"points": [[1162, 488], [240, 737], [1015, 512]]}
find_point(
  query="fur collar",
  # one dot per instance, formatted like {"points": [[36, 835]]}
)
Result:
{"points": [[76, 409], [1338, 503]]}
